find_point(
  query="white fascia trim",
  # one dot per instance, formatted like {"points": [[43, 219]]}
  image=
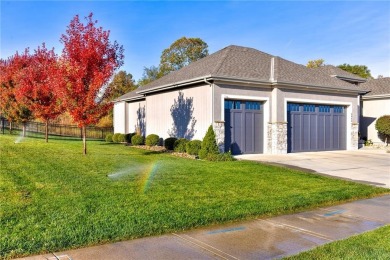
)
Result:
{"points": [[317, 101], [376, 96], [176, 84], [265, 113]]}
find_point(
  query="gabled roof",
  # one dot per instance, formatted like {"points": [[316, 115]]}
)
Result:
{"points": [[339, 73], [378, 86], [132, 95], [242, 63]]}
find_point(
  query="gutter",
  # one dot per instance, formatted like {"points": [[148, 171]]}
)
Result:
{"points": [[319, 87], [212, 98], [376, 96], [350, 79], [174, 85]]}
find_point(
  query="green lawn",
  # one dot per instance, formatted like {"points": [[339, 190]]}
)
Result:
{"points": [[54, 198], [371, 245]]}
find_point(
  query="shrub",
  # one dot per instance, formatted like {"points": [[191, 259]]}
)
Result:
{"points": [[368, 143], [169, 143], [109, 138], [152, 140], [121, 138], [209, 144], [221, 157], [115, 138], [193, 147], [382, 125], [137, 140], [128, 137], [180, 145]]}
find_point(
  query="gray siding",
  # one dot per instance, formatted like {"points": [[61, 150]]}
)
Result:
{"points": [[180, 113], [136, 116]]}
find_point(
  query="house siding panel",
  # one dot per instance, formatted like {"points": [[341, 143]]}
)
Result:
{"points": [[119, 117], [135, 116], [163, 107], [373, 109]]}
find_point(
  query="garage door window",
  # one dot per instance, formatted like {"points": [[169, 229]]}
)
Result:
{"points": [[338, 109], [252, 105], [324, 109], [232, 104]]}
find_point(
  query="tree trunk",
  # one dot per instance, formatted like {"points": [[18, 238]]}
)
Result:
{"points": [[24, 129], [10, 127], [84, 130], [47, 131]]}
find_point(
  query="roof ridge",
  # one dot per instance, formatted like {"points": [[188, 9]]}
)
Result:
{"points": [[220, 63]]}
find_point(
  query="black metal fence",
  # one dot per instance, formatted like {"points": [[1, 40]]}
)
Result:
{"points": [[38, 129]]}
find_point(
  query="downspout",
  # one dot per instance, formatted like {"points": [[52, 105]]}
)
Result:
{"points": [[212, 99]]}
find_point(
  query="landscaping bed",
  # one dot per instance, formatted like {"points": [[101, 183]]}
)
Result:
{"points": [[54, 198]]}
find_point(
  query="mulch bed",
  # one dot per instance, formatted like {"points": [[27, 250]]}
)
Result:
{"points": [[162, 149]]}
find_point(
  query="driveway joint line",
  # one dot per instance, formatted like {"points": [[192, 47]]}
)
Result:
{"points": [[300, 230], [205, 248]]}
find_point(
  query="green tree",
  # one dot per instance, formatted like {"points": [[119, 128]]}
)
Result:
{"points": [[359, 70], [150, 74], [181, 53], [315, 63], [121, 84], [382, 125], [209, 144]]}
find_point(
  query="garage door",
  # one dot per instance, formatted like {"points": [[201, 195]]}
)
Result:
{"points": [[312, 127], [243, 126]]}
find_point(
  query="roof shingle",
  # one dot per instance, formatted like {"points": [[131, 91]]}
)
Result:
{"points": [[377, 86], [250, 64]]}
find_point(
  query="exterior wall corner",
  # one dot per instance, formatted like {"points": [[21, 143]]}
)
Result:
{"points": [[219, 129], [277, 138]]}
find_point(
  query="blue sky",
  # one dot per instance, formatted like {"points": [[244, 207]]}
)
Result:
{"points": [[339, 32]]}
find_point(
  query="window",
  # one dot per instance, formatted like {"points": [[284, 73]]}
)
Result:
{"points": [[309, 108], [324, 109], [252, 105], [232, 104], [292, 107], [338, 109]]}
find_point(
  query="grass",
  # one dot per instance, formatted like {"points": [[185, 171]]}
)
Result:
{"points": [[370, 245], [53, 198]]}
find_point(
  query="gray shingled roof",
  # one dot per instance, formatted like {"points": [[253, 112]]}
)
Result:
{"points": [[336, 71], [130, 95], [377, 86], [249, 64]]}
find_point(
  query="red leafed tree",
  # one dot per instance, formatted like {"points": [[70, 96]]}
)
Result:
{"points": [[88, 61], [37, 85], [11, 109]]}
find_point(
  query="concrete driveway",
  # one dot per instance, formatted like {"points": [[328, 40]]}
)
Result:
{"points": [[368, 166]]}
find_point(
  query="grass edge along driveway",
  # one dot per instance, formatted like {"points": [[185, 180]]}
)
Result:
{"points": [[373, 244], [52, 198]]}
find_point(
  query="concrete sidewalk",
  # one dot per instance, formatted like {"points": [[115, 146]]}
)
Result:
{"points": [[256, 239]]}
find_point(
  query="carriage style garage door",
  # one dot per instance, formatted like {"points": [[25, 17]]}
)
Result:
{"points": [[243, 126], [312, 127]]}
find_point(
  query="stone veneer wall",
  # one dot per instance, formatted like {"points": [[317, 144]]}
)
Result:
{"points": [[354, 136], [277, 138], [219, 129]]}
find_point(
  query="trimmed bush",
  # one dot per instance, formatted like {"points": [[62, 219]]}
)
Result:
{"points": [[109, 138], [193, 147], [382, 125], [180, 145], [152, 140], [209, 144], [221, 157], [121, 138], [137, 140], [115, 138], [128, 137], [169, 143]]}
